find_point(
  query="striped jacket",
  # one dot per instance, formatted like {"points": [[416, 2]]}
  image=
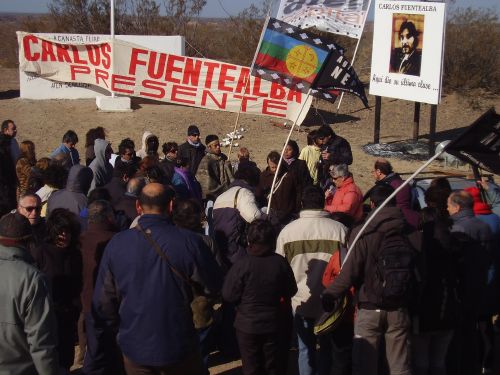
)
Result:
{"points": [[308, 243]]}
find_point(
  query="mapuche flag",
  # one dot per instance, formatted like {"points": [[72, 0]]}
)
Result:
{"points": [[290, 56], [338, 74]]}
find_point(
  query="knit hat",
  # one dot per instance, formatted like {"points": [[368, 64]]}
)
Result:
{"points": [[193, 130], [15, 227], [480, 207], [210, 138]]}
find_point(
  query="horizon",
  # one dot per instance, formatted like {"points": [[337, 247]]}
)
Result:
{"points": [[218, 8]]}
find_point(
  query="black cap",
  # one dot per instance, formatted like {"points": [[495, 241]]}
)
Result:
{"points": [[15, 227], [193, 130]]}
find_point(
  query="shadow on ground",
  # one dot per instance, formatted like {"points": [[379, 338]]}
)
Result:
{"points": [[318, 117], [9, 94]]}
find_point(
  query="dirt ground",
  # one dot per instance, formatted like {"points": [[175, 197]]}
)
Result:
{"points": [[44, 122]]}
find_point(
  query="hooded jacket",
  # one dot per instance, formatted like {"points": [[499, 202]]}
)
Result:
{"points": [[233, 209], [74, 196], [29, 339], [143, 152], [362, 260], [257, 283], [102, 168]]}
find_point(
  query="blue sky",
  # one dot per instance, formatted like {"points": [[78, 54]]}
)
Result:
{"points": [[212, 9]]}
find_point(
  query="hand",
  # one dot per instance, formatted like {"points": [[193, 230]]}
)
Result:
{"points": [[483, 183], [329, 302], [325, 155]]}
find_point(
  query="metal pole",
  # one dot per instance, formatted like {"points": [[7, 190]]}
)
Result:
{"points": [[378, 109], [372, 216], [416, 121], [112, 31]]}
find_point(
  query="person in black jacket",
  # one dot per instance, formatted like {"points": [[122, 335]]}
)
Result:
{"points": [[335, 150], [192, 149], [262, 284]]}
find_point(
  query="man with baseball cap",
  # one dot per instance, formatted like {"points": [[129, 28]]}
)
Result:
{"points": [[192, 149], [27, 323]]}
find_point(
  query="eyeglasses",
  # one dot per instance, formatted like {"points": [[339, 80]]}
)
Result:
{"points": [[31, 208]]}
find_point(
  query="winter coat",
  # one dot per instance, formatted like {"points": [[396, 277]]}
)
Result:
{"points": [[94, 241], [437, 306], [8, 178], [362, 258], [403, 198], [116, 188], [193, 153], [74, 156], [102, 168], [215, 174], [29, 339], [74, 196], [302, 179], [63, 268], [473, 243], [127, 205], [348, 199], [167, 166], [284, 202], [308, 243], [232, 211], [259, 283], [139, 297], [143, 152]]}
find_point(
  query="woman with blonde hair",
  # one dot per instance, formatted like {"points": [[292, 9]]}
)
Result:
{"points": [[24, 165]]}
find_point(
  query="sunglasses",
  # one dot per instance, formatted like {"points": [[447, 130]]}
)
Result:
{"points": [[31, 208]]}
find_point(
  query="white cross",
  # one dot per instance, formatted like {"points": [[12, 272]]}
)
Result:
{"points": [[289, 30], [260, 71], [275, 76], [304, 36], [318, 41], [276, 25]]}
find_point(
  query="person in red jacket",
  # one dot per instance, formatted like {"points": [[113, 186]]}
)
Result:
{"points": [[348, 197]]}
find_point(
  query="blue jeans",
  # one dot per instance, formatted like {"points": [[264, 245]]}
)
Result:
{"points": [[312, 361]]}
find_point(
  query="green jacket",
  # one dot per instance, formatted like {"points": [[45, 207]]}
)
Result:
{"points": [[215, 174], [28, 332]]}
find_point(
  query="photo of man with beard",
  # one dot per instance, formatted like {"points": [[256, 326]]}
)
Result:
{"points": [[406, 59]]}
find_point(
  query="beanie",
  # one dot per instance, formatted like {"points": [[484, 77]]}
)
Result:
{"points": [[193, 130], [15, 227], [480, 207], [210, 138]]}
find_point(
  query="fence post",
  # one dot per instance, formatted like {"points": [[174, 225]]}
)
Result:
{"points": [[378, 109], [432, 129], [416, 121]]}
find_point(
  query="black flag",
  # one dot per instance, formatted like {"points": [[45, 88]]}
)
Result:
{"points": [[479, 144], [338, 74]]}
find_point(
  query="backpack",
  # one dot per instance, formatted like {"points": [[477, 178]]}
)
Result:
{"points": [[393, 277]]}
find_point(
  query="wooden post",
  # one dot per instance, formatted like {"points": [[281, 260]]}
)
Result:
{"points": [[416, 121], [378, 109], [432, 129]]}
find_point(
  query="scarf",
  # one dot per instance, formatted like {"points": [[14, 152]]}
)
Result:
{"points": [[193, 144]]}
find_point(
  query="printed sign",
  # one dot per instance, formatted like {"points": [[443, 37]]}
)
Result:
{"points": [[128, 69], [33, 87], [344, 17], [407, 54]]}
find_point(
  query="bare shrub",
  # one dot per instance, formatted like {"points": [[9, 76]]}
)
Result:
{"points": [[471, 59]]}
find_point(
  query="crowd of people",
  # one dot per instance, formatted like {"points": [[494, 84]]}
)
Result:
{"points": [[151, 260]]}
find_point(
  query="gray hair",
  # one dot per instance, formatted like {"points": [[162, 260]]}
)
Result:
{"points": [[339, 170], [462, 199], [135, 185]]}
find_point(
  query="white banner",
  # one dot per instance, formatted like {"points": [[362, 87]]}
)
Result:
{"points": [[128, 69], [344, 17], [407, 53]]}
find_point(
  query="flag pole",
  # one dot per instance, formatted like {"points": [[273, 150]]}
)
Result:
{"points": [[355, 51], [247, 78], [283, 150], [384, 203], [112, 31]]}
